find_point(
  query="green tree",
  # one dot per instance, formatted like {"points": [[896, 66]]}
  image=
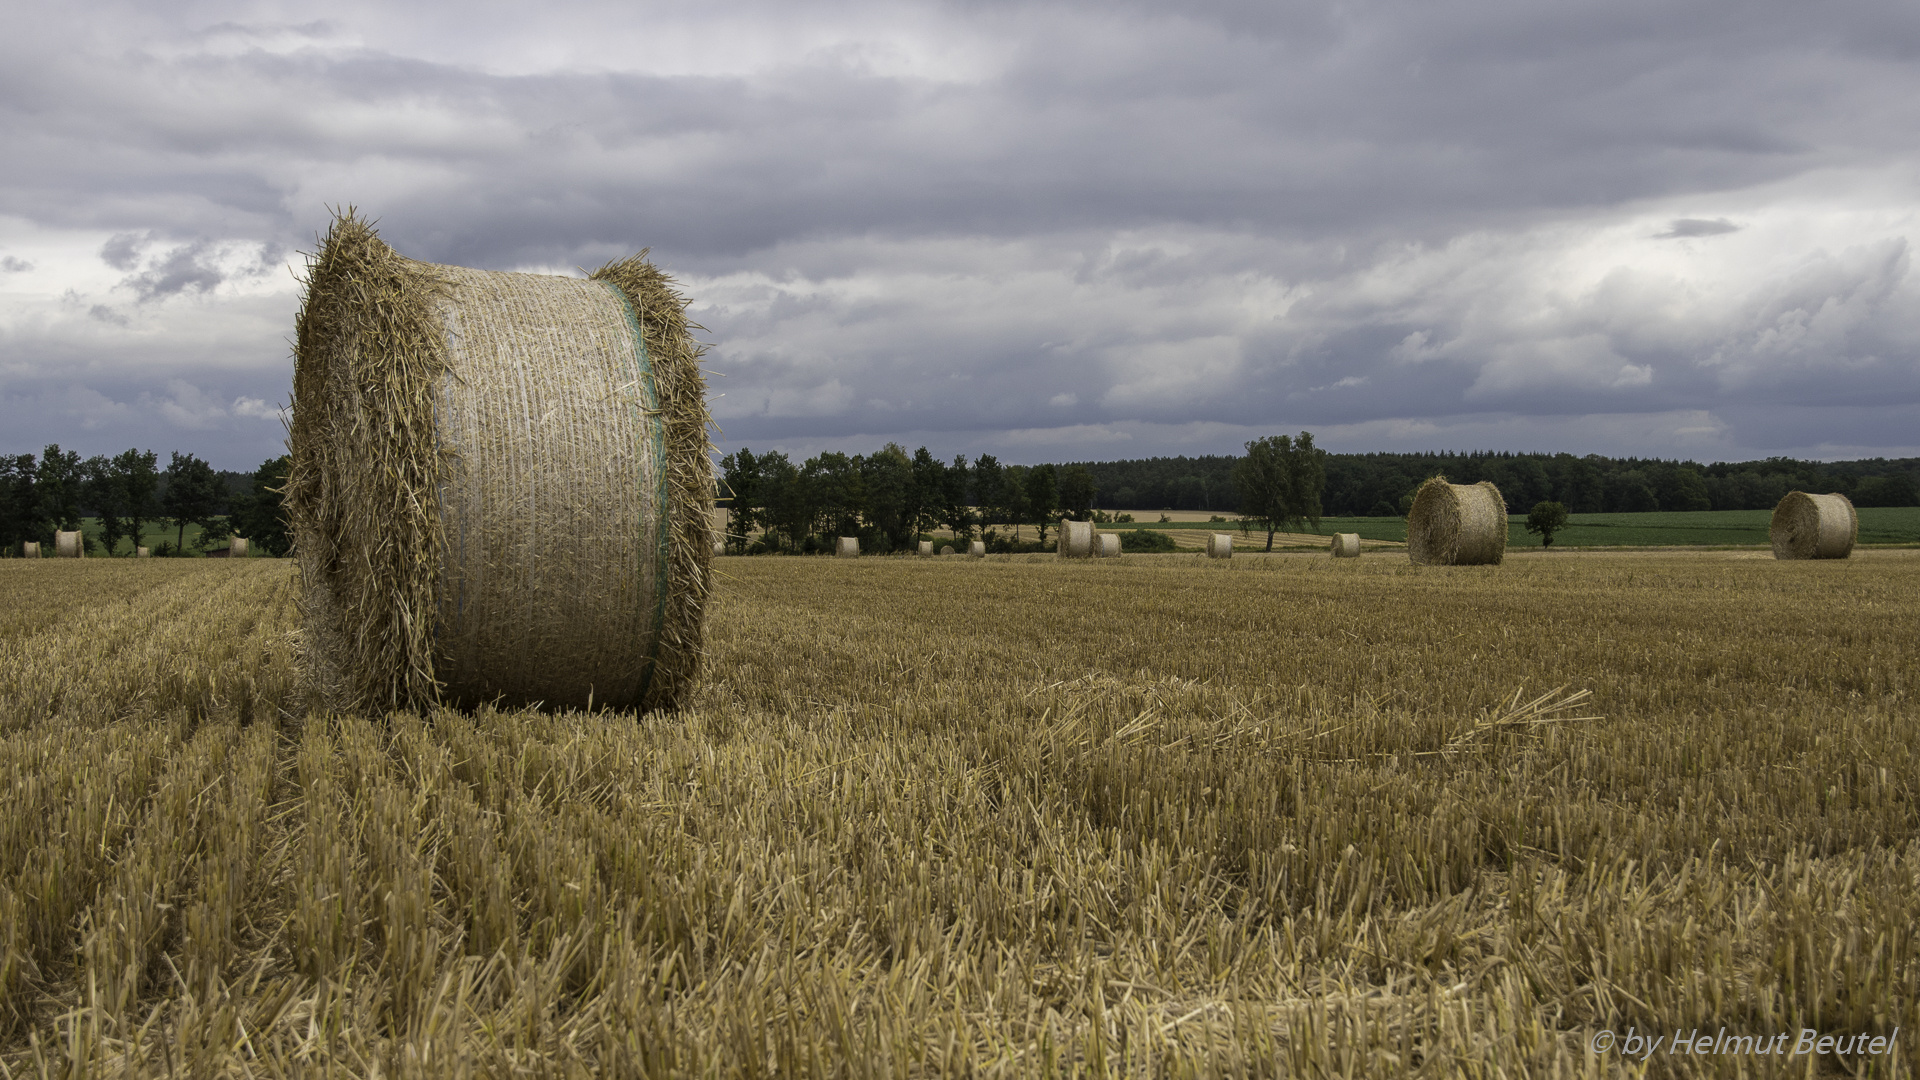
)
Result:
{"points": [[989, 492], [1042, 497], [102, 491], [956, 511], [137, 477], [20, 519], [1545, 519], [58, 482], [1077, 492], [193, 494], [1280, 481], [740, 486], [259, 514]]}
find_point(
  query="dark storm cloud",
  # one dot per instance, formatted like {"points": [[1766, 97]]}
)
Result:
{"points": [[1070, 217]]}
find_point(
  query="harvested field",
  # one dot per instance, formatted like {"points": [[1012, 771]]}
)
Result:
{"points": [[1148, 816]]}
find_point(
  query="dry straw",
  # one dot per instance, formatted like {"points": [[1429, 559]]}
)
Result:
{"points": [[1076, 540], [1346, 545], [237, 548], [926, 549], [1220, 546], [946, 549], [1109, 546], [68, 545], [448, 426], [30, 549], [1457, 524], [977, 548], [142, 553], [849, 548], [1814, 526]]}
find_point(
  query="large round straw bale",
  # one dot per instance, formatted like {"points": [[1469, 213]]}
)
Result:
{"points": [[1814, 526], [237, 548], [719, 548], [30, 549], [1457, 524], [142, 553], [977, 548], [1109, 545], [68, 545], [1220, 546], [1346, 545], [500, 487], [849, 548], [926, 549], [946, 549], [1076, 540]]}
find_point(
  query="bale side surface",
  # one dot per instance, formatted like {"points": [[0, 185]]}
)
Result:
{"points": [[1457, 524], [1346, 545], [848, 547], [1808, 526], [67, 545], [1076, 540]]}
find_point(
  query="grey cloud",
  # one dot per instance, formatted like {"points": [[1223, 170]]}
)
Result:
{"points": [[1680, 228], [122, 251], [13, 264]]}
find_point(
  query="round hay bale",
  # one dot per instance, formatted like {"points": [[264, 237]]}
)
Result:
{"points": [[1220, 546], [849, 548], [1457, 524], [500, 485], [1814, 526], [1109, 545], [1346, 545], [142, 553], [1076, 540], [719, 548], [68, 545], [926, 549], [30, 549], [946, 549], [977, 548], [237, 548]]}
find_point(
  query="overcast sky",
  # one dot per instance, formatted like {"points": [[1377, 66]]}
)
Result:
{"points": [[1049, 231]]}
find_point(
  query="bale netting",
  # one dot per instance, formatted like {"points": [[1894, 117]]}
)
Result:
{"points": [[926, 549], [1076, 540], [1346, 545], [68, 545], [30, 549], [1109, 546], [848, 548], [977, 548], [1220, 546], [1457, 524], [500, 488], [1814, 526]]}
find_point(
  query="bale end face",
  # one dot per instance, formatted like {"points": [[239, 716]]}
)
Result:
{"points": [[1457, 524], [1814, 526], [946, 549], [1346, 545], [848, 548], [977, 549]]}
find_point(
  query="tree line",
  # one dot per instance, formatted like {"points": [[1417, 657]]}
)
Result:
{"points": [[129, 491]]}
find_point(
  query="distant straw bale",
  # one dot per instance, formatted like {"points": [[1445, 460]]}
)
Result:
{"points": [[946, 549], [1109, 546], [237, 548], [30, 549], [1220, 546], [500, 487], [1076, 540], [1346, 545], [142, 553], [926, 549], [1814, 526], [849, 548], [719, 548], [68, 545], [977, 548], [1457, 524]]}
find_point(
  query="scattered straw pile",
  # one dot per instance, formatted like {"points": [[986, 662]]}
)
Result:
{"points": [[946, 549], [30, 549], [1076, 540], [142, 553], [1220, 546], [1346, 545], [68, 545], [849, 548], [977, 548], [1814, 526], [1109, 546], [1457, 524], [448, 425]]}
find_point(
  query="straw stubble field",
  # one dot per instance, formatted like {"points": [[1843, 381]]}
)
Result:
{"points": [[1153, 815]]}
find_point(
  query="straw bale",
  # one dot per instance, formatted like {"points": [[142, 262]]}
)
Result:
{"points": [[719, 548], [946, 549], [1457, 524], [849, 548], [30, 549], [68, 545], [1346, 545], [1109, 546], [142, 553], [1076, 540], [1814, 526], [977, 548], [1220, 546], [447, 425], [237, 548]]}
